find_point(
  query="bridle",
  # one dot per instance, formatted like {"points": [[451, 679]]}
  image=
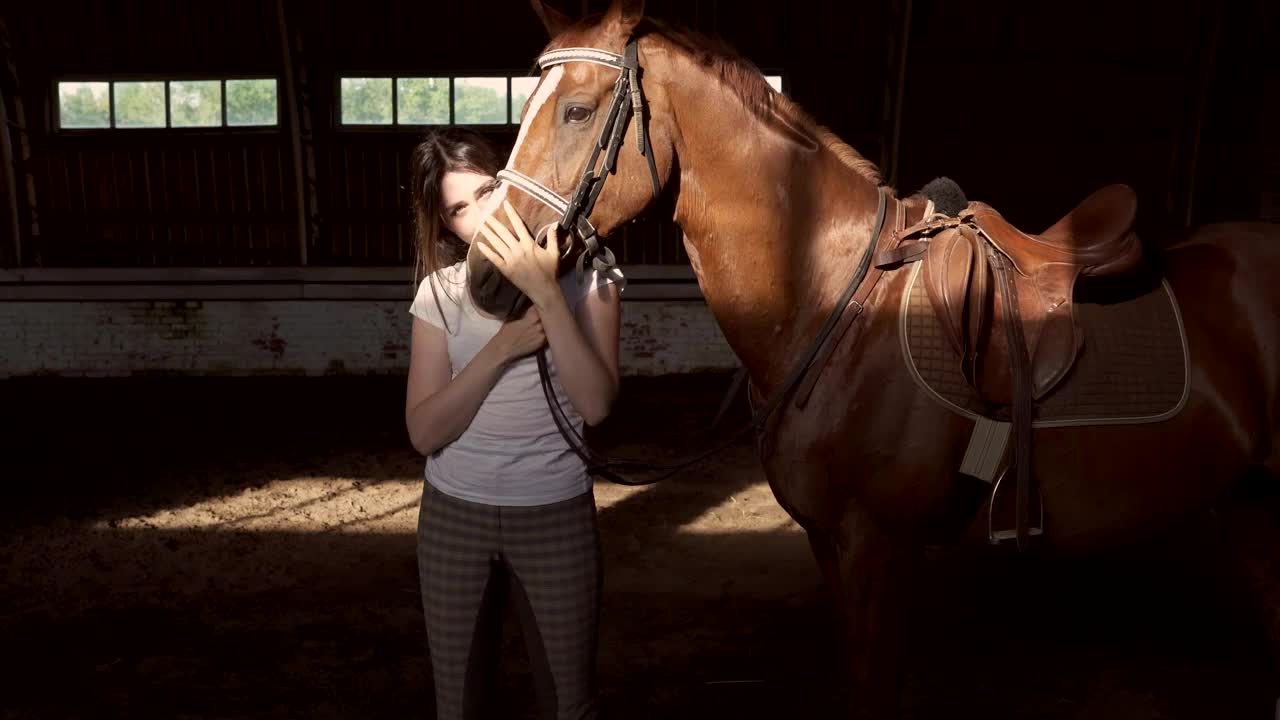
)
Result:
{"points": [[575, 211]]}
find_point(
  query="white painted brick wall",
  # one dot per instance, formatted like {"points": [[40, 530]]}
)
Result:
{"points": [[300, 337]]}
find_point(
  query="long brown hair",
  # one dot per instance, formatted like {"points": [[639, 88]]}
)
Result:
{"points": [[441, 151]]}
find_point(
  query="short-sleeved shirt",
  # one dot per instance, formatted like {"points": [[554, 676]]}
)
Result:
{"points": [[511, 453]]}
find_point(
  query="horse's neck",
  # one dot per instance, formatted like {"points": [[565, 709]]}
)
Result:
{"points": [[774, 230]]}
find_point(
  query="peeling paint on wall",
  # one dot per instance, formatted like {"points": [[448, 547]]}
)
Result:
{"points": [[291, 337]]}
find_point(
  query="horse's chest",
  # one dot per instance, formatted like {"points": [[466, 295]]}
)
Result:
{"points": [[863, 437]]}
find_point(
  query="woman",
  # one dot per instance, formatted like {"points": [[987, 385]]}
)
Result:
{"points": [[507, 507]]}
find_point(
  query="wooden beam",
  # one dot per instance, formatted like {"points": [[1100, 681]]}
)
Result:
{"points": [[895, 89], [9, 181], [1202, 103], [295, 133], [9, 178]]}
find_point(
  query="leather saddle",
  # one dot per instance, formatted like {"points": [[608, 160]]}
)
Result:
{"points": [[1004, 298], [985, 277]]}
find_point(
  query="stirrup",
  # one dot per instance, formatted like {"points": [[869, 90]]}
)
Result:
{"points": [[1001, 537]]}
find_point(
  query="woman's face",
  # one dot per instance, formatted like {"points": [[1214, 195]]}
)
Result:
{"points": [[465, 198]]}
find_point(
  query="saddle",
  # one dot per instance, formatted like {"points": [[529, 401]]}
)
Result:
{"points": [[1004, 299], [985, 278]]}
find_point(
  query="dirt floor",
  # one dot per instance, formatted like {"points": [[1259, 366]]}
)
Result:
{"points": [[243, 548]]}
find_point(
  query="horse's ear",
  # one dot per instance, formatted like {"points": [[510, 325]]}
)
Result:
{"points": [[553, 20], [623, 16]]}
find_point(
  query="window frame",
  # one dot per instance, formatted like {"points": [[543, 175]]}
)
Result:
{"points": [[335, 115], [55, 114]]}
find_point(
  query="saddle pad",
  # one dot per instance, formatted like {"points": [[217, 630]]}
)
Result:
{"points": [[1134, 366]]}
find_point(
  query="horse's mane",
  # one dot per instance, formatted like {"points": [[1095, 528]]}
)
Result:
{"points": [[751, 87]]}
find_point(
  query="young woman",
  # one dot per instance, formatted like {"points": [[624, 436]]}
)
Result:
{"points": [[507, 508]]}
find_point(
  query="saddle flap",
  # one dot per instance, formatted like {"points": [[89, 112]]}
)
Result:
{"points": [[1052, 337], [948, 269], [1048, 329], [959, 283]]}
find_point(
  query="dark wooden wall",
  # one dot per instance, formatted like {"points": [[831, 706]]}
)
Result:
{"points": [[146, 197], [1032, 105], [1028, 105]]}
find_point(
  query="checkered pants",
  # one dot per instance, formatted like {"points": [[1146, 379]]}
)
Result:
{"points": [[471, 559]]}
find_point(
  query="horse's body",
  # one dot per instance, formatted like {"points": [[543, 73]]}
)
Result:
{"points": [[774, 224], [872, 461], [893, 448]]}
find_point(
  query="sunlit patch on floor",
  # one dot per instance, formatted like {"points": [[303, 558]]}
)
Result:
{"points": [[347, 506]]}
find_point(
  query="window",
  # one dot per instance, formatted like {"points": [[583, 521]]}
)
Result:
{"points": [[521, 89], [139, 105], [422, 101], [453, 100], [366, 101], [196, 103], [84, 105], [480, 101], [156, 104], [252, 103]]}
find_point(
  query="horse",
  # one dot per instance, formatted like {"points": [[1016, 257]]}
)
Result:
{"points": [[774, 224]]}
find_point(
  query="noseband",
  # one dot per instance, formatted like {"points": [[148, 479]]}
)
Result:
{"points": [[575, 210]]}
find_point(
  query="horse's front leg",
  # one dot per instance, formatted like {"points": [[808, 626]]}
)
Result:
{"points": [[869, 572]]}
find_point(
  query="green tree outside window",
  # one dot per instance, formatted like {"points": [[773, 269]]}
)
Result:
{"points": [[366, 101], [480, 101], [139, 104], [422, 101], [195, 103], [252, 102], [521, 89], [84, 105]]}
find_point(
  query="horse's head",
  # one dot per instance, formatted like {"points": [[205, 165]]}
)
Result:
{"points": [[578, 123]]}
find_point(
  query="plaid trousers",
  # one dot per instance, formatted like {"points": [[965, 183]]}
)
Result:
{"points": [[473, 557]]}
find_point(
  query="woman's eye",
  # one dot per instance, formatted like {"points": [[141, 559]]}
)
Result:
{"points": [[577, 114]]}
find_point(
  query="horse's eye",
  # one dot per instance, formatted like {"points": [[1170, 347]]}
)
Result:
{"points": [[577, 114]]}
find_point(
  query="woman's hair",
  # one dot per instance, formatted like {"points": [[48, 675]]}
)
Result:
{"points": [[442, 151]]}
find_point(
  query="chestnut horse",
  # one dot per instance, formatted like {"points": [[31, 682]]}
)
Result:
{"points": [[776, 213]]}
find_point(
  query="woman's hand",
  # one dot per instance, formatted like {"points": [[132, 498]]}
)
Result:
{"points": [[520, 260], [518, 338]]}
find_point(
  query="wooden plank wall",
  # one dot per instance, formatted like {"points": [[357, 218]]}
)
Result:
{"points": [[1028, 105], [211, 202], [142, 198]]}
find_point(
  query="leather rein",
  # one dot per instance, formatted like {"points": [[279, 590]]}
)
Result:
{"points": [[575, 211]]}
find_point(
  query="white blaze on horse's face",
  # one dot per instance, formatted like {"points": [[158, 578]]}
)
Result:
{"points": [[546, 90]]}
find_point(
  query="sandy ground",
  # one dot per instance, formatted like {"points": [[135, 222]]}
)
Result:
{"points": [[236, 548]]}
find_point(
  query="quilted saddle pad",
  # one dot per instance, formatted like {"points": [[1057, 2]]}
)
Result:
{"points": [[1133, 368]]}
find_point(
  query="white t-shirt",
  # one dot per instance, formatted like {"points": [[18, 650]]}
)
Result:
{"points": [[511, 453]]}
